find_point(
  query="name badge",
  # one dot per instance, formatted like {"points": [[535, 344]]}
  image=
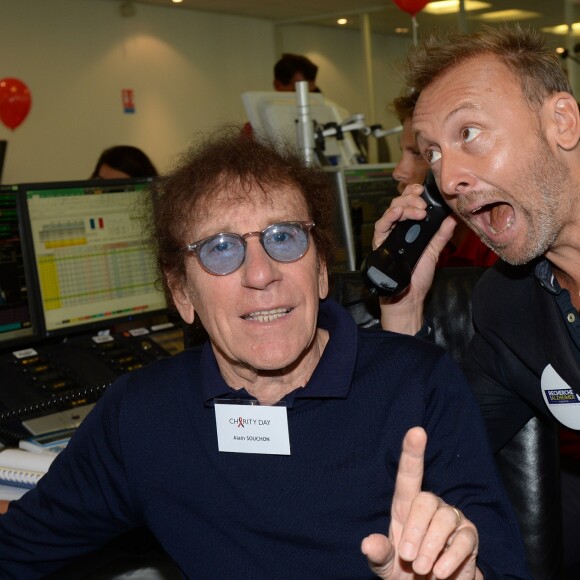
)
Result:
{"points": [[248, 427], [560, 399]]}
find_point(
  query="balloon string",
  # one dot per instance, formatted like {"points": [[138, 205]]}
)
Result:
{"points": [[415, 26]]}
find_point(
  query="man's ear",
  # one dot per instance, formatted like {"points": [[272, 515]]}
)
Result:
{"points": [[322, 281], [181, 299], [564, 120]]}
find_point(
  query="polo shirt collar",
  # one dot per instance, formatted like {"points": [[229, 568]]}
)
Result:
{"points": [[331, 378]]}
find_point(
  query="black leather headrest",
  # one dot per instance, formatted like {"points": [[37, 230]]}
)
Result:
{"points": [[448, 304]]}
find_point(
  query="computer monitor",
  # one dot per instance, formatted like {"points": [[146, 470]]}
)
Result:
{"points": [[3, 147], [93, 266], [18, 303], [273, 116]]}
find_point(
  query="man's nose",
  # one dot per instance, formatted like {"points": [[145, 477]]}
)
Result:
{"points": [[258, 269], [455, 177]]}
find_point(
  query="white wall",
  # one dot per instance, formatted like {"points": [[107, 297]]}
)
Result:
{"points": [[187, 69]]}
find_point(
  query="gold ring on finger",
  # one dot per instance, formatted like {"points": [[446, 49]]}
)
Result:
{"points": [[458, 515]]}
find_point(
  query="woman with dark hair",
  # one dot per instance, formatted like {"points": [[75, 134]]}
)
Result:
{"points": [[123, 161]]}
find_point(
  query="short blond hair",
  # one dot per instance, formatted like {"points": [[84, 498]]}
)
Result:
{"points": [[523, 51]]}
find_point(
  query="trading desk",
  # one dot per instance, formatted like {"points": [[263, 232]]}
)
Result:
{"points": [[51, 385]]}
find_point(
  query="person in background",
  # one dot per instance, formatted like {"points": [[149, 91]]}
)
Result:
{"points": [[289, 70], [497, 122], [292, 440], [292, 68], [464, 248], [123, 161]]}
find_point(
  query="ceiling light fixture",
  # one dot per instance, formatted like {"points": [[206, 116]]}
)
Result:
{"points": [[562, 29], [503, 15], [342, 21], [451, 6]]}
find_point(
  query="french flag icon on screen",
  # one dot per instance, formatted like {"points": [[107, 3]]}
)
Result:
{"points": [[97, 223]]}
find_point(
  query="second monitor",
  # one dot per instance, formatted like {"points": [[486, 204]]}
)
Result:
{"points": [[92, 264]]}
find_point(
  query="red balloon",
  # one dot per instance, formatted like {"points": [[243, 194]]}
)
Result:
{"points": [[411, 6], [15, 101]]}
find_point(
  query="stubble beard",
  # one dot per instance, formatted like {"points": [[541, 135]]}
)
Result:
{"points": [[545, 208]]}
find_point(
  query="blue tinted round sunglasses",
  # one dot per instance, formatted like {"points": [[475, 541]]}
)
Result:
{"points": [[224, 253]]}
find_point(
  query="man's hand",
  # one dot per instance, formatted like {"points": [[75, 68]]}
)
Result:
{"points": [[405, 313], [4, 506], [427, 537]]}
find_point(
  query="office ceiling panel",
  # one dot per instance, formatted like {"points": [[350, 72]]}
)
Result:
{"points": [[385, 15]]}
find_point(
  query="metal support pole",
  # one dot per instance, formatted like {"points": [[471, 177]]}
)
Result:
{"points": [[570, 40], [462, 17], [370, 79], [304, 128]]}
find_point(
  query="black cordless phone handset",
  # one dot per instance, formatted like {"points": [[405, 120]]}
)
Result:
{"points": [[387, 270]]}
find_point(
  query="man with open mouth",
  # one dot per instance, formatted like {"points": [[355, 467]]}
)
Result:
{"points": [[499, 126]]}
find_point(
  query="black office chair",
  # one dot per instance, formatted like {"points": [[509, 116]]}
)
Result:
{"points": [[529, 464]]}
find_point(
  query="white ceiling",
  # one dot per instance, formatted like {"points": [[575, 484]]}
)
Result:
{"points": [[385, 15]]}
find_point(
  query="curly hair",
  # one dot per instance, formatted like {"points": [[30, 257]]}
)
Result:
{"points": [[523, 51], [404, 105], [290, 64], [230, 161]]}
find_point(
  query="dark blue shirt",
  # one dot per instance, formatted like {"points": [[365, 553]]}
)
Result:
{"points": [[148, 455], [543, 273]]}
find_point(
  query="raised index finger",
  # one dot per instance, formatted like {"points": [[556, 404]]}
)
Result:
{"points": [[410, 473]]}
